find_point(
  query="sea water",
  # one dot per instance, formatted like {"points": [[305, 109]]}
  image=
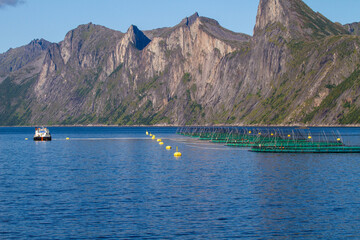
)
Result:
{"points": [[117, 183]]}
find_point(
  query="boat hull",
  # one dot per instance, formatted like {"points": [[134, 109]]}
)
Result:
{"points": [[42, 138]]}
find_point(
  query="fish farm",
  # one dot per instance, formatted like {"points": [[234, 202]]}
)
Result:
{"points": [[273, 140]]}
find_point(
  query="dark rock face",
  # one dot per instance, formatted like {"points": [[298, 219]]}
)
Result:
{"points": [[138, 38], [298, 68]]}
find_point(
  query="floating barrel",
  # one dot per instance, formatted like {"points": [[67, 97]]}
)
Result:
{"points": [[177, 153]]}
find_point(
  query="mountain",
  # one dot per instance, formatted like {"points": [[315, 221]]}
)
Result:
{"points": [[297, 68]]}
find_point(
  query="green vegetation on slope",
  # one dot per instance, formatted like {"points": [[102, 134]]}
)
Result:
{"points": [[13, 105], [330, 102]]}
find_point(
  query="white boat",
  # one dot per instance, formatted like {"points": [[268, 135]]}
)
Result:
{"points": [[42, 134]]}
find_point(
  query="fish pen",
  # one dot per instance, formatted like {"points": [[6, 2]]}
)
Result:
{"points": [[231, 136], [246, 137], [215, 134], [194, 132], [276, 140], [299, 141]]}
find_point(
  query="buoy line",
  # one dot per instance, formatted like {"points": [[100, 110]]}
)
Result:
{"points": [[97, 139], [160, 141]]}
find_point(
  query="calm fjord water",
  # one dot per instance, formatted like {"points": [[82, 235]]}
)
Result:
{"points": [[117, 183]]}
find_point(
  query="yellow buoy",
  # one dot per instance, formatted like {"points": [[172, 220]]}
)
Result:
{"points": [[339, 139], [272, 134], [26, 139], [150, 135], [289, 135], [309, 137], [168, 147], [147, 133], [67, 138], [249, 131], [161, 143], [177, 153], [153, 137], [159, 140]]}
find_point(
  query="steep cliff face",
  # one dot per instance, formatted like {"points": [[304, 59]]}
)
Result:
{"points": [[297, 68], [135, 80], [297, 55]]}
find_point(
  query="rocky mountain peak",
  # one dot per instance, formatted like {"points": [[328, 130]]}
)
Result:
{"points": [[190, 20], [295, 19], [137, 37], [15, 59], [39, 43], [271, 11]]}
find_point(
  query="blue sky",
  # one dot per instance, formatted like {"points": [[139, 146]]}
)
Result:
{"points": [[24, 20]]}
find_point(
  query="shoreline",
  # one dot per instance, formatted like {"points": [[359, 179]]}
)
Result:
{"points": [[216, 125]]}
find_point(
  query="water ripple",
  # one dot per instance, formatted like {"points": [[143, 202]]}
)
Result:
{"points": [[121, 185]]}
